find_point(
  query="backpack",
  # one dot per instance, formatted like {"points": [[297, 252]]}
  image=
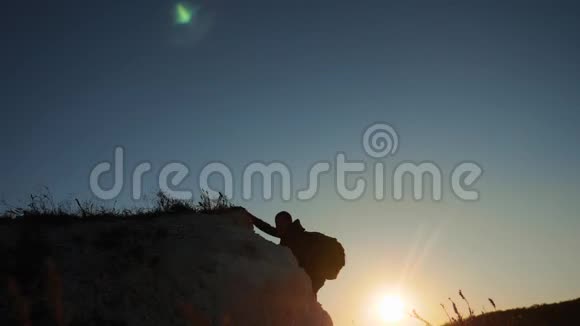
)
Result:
{"points": [[325, 255]]}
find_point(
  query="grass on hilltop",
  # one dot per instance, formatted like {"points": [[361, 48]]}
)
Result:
{"points": [[562, 313], [43, 208]]}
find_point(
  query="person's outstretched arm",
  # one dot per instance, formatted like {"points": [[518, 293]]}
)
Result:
{"points": [[263, 226]]}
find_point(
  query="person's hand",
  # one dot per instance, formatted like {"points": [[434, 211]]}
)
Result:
{"points": [[250, 216]]}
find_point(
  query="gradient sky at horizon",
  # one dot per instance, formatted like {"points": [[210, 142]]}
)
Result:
{"points": [[496, 82]]}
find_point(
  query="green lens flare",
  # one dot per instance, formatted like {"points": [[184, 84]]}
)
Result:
{"points": [[184, 13]]}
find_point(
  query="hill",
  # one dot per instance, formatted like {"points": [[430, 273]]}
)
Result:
{"points": [[180, 268], [563, 313]]}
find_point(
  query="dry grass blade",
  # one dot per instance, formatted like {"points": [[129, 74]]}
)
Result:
{"points": [[415, 315]]}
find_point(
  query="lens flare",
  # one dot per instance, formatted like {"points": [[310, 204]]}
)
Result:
{"points": [[184, 13]]}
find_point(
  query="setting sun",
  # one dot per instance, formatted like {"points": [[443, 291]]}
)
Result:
{"points": [[391, 308]]}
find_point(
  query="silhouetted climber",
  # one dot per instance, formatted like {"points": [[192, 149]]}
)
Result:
{"points": [[322, 257]]}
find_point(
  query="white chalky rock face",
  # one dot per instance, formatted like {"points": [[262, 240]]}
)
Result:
{"points": [[169, 270]]}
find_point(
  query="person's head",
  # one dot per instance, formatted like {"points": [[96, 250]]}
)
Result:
{"points": [[283, 221]]}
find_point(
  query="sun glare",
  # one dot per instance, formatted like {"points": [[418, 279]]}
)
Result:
{"points": [[391, 308]]}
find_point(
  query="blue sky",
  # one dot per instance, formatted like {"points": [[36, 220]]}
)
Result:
{"points": [[493, 82]]}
